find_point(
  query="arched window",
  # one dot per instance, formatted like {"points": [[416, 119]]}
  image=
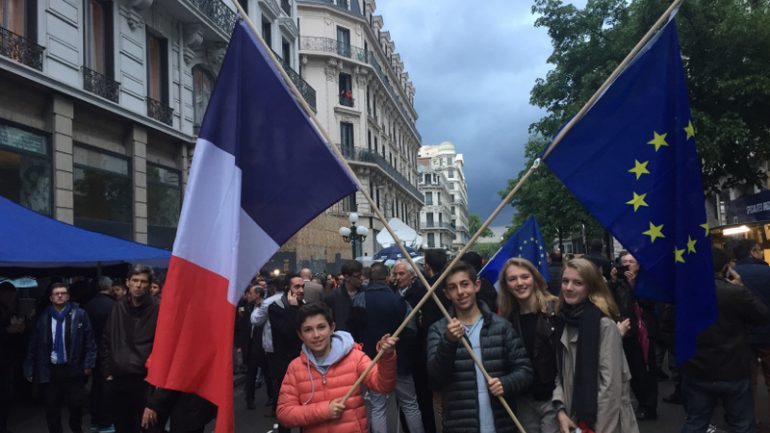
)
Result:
{"points": [[203, 84]]}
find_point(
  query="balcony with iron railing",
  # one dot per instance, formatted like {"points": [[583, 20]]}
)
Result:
{"points": [[364, 155], [100, 84], [344, 49], [160, 111], [21, 49], [217, 12], [438, 226], [286, 6], [305, 89]]}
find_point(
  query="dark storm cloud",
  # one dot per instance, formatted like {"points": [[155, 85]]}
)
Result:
{"points": [[473, 65]]}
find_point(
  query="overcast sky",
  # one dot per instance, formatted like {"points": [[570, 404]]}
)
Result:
{"points": [[473, 64]]}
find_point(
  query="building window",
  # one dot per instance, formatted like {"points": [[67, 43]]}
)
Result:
{"points": [[429, 219], [346, 138], [98, 37], [245, 5], [376, 145], [451, 173], [267, 31], [203, 84], [25, 169], [428, 198], [102, 189], [343, 4], [346, 89], [286, 6], [18, 17], [343, 41], [286, 51], [431, 240], [349, 203], [164, 202], [369, 139], [157, 79]]}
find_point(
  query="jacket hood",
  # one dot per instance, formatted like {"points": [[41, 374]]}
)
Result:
{"points": [[342, 343]]}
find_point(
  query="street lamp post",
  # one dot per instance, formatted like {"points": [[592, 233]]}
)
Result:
{"points": [[354, 233]]}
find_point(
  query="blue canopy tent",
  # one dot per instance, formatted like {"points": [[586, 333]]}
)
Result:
{"points": [[32, 240]]}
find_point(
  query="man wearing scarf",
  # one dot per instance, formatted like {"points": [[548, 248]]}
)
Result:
{"points": [[61, 355]]}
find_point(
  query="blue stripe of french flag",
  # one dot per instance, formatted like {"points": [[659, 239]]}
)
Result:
{"points": [[261, 171]]}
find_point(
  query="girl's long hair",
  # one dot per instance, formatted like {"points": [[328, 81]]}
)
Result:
{"points": [[598, 292], [508, 304]]}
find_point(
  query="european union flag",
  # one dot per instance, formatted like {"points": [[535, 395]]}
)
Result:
{"points": [[527, 243], [632, 162]]}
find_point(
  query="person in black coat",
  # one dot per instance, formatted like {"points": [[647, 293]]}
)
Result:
{"points": [[378, 311], [99, 309], [341, 299], [249, 341], [452, 371], [188, 413], [282, 315], [720, 370]]}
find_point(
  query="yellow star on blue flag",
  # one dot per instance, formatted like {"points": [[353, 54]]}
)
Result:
{"points": [[647, 109]]}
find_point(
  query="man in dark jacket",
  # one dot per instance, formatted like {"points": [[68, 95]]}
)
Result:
{"points": [[554, 268], [596, 257], [249, 341], [721, 367], [378, 311], [126, 345], [62, 353], [755, 274], [470, 401], [282, 315], [341, 299], [12, 326], [99, 309]]}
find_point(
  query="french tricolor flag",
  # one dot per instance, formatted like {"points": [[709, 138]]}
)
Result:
{"points": [[260, 172]]}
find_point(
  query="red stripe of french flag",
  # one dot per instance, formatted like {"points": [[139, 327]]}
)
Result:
{"points": [[218, 249]]}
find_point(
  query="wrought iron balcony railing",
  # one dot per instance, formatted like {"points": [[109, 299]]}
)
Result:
{"points": [[216, 11], [364, 155], [329, 45], [305, 89], [100, 84], [21, 49], [159, 111], [435, 225]]}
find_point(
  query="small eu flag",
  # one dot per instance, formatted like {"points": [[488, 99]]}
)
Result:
{"points": [[527, 243], [632, 163]]}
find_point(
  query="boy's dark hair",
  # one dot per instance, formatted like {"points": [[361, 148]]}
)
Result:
{"points": [[141, 269], [436, 259], [461, 266], [350, 267], [314, 309], [742, 248], [596, 246]]}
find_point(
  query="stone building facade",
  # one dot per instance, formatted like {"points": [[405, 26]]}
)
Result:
{"points": [[444, 217], [365, 101], [100, 102]]}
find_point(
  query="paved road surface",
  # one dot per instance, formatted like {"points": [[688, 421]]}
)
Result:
{"points": [[29, 418]]}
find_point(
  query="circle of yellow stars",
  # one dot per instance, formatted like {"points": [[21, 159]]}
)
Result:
{"points": [[639, 200]]}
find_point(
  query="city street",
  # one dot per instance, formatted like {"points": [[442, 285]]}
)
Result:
{"points": [[28, 419]]}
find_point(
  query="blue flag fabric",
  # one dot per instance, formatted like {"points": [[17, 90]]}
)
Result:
{"points": [[527, 243], [632, 162]]}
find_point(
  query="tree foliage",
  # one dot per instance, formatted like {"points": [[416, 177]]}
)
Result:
{"points": [[726, 52], [474, 223]]}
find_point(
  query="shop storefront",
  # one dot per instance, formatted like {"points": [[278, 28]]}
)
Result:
{"points": [[749, 217]]}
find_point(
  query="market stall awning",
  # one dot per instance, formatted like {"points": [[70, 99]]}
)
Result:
{"points": [[32, 240]]}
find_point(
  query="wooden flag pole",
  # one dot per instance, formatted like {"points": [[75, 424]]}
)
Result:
{"points": [[600, 91]]}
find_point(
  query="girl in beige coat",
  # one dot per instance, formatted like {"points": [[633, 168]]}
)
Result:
{"points": [[593, 386]]}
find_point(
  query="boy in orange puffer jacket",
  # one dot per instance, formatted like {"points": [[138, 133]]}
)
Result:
{"points": [[317, 380]]}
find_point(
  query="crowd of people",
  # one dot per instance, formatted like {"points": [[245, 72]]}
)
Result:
{"points": [[577, 352]]}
